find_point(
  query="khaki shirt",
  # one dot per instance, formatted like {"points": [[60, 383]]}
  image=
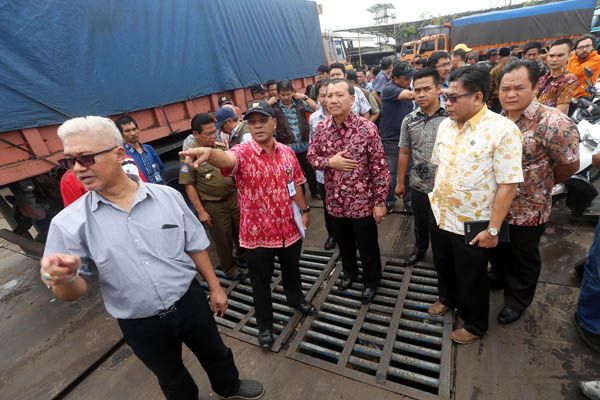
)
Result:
{"points": [[210, 184]]}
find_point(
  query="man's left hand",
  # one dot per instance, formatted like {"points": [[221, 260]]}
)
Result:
{"points": [[379, 213], [218, 301], [298, 96], [485, 240], [306, 220]]}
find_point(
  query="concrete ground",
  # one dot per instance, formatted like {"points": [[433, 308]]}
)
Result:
{"points": [[51, 349]]}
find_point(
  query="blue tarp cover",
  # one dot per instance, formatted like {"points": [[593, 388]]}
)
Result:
{"points": [[104, 57], [549, 8]]}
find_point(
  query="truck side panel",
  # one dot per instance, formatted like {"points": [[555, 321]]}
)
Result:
{"points": [[565, 18]]}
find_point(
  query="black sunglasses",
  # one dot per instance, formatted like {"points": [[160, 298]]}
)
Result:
{"points": [[85, 160], [454, 98]]}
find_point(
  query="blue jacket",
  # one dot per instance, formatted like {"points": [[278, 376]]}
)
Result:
{"points": [[148, 162]]}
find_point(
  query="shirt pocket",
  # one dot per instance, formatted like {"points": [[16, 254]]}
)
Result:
{"points": [[167, 241], [473, 168]]}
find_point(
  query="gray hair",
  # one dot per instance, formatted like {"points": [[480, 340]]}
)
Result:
{"points": [[99, 128]]}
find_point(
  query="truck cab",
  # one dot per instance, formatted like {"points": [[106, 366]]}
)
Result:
{"points": [[335, 49], [409, 50], [430, 44]]}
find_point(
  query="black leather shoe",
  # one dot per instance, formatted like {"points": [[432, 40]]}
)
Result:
{"points": [[330, 243], [507, 316], [238, 276], [367, 295], [306, 308], [265, 339], [413, 258], [345, 283]]}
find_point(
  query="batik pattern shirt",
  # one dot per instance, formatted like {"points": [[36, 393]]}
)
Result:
{"points": [[554, 90], [351, 194], [550, 139], [471, 162], [315, 119], [266, 210], [418, 133]]}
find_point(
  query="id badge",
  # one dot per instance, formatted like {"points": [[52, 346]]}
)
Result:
{"points": [[291, 188]]}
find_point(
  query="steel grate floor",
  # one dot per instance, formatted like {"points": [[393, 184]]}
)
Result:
{"points": [[392, 343], [239, 321]]}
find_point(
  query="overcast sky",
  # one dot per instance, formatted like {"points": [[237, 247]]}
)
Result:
{"points": [[341, 14]]}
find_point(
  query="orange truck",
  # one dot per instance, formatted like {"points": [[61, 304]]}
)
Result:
{"points": [[508, 28], [160, 64]]}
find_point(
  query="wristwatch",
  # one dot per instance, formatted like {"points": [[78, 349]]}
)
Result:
{"points": [[493, 232], [305, 97], [306, 211]]}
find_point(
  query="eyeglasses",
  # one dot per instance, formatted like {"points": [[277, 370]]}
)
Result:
{"points": [[85, 160], [587, 46], [453, 98], [444, 65]]}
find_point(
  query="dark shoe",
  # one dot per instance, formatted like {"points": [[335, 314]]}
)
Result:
{"points": [[589, 338], [249, 389], [413, 258], [265, 339], [345, 283], [238, 276], [389, 208], [367, 295], [306, 308], [508, 315], [330, 243], [408, 207]]}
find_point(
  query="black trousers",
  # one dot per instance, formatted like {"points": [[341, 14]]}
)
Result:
{"points": [[351, 232], [309, 172], [328, 217], [423, 218], [518, 264], [462, 278], [157, 343], [260, 268]]}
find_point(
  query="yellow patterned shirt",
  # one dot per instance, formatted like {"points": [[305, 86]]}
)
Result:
{"points": [[471, 162]]}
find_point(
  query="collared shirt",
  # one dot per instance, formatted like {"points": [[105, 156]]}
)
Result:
{"points": [[208, 180], [292, 117], [380, 81], [494, 75], [558, 89], [148, 162], [351, 194], [368, 86], [361, 104], [550, 139], [140, 256], [418, 134], [393, 112], [472, 161], [266, 211], [315, 119]]}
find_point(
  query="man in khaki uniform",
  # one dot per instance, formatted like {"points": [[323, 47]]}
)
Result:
{"points": [[215, 199]]}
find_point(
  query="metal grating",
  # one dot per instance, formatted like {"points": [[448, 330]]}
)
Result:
{"points": [[239, 321], [392, 343]]}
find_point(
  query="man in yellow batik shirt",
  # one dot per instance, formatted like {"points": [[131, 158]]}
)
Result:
{"points": [[478, 158]]}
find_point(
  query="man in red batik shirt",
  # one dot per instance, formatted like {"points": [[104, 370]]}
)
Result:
{"points": [[269, 178], [348, 148]]}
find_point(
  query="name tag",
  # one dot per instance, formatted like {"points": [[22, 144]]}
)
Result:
{"points": [[291, 188]]}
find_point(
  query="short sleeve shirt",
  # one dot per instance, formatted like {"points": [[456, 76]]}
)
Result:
{"points": [[266, 210], [292, 118], [361, 104], [140, 256], [393, 112], [472, 161], [209, 182], [554, 90], [550, 139], [380, 81], [418, 134]]}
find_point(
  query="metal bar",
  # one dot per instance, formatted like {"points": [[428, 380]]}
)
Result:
{"points": [[320, 350], [414, 377], [419, 325], [417, 304], [326, 338], [332, 328], [424, 316], [420, 337], [422, 296], [336, 318], [406, 360], [422, 351], [344, 300], [380, 308], [35, 157], [424, 280], [446, 359], [423, 288]]}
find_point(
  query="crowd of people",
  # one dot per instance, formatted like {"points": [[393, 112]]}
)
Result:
{"points": [[471, 147]]}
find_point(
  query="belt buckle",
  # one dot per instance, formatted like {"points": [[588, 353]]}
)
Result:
{"points": [[168, 311]]}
